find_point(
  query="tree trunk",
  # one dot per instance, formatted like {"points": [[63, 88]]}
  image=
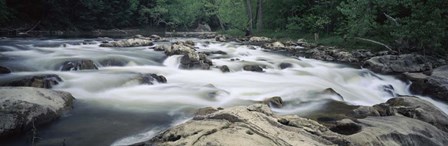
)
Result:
{"points": [[249, 16], [259, 15]]}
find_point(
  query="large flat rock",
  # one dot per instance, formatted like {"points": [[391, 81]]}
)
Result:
{"points": [[21, 108]]}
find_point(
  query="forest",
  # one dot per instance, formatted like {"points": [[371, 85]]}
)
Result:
{"points": [[405, 25]]}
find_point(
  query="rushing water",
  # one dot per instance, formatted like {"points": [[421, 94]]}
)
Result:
{"points": [[111, 108]]}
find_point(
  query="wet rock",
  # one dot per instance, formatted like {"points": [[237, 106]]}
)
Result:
{"points": [[38, 81], [4, 70], [76, 65], [398, 63], [419, 81], [259, 39], [284, 65], [134, 42], [22, 108], [179, 48], [224, 68], [252, 125], [437, 84], [275, 45], [254, 68], [215, 52], [88, 42], [205, 111], [195, 61], [275, 102], [160, 48], [331, 91], [221, 38], [150, 78]]}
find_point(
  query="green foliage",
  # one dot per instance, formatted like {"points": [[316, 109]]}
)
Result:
{"points": [[4, 12], [412, 25]]}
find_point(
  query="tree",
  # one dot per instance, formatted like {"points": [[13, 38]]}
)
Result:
{"points": [[250, 23], [259, 15]]}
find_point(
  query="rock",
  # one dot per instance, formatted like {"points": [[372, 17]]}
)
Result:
{"points": [[254, 68], [284, 65], [150, 78], [252, 125], [155, 37], [161, 48], [411, 107], [221, 38], [4, 70], [331, 91], [398, 64], [437, 84], [75, 65], [88, 42], [275, 102], [215, 52], [195, 60], [205, 111], [224, 68], [399, 121], [419, 81], [259, 39], [179, 48], [134, 42], [275, 45], [38, 81], [392, 131], [22, 108], [362, 54]]}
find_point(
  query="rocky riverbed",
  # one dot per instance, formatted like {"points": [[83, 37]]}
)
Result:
{"points": [[257, 91]]}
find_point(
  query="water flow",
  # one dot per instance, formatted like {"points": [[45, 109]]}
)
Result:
{"points": [[301, 87]]}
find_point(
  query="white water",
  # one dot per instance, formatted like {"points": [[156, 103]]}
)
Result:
{"points": [[300, 86]]}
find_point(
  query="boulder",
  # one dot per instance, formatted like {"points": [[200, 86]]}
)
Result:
{"points": [[221, 38], [411, 107], [134, 42], [224, 68], [150, 78], [399, 121], [275, 102], [437, 84], [275, 45], [179, 48], [251, 125], [259, 39], [4, 70], [285, 65], [155, 37], [22, 108], [195, 60], [254, 68], [160, 48], [419, 81], [38, 81], [390, 131], [398, 63], [83, 64]]}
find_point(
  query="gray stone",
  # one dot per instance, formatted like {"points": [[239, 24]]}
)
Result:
{"points": [[254, 68], [134, 42], [252, 125], [75, 65], [21, 108], [224, 68], [398, 63]]}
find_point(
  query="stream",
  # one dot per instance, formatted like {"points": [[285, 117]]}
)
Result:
{"points": [[111, 108]]}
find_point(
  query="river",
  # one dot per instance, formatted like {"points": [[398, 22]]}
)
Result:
{"points": [[113, 109]]}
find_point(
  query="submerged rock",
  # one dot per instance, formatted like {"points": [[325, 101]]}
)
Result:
{"points": [[150, 78], [195, 61], [398, 63], [275, 102], [224, 68], [134, 42], [252, 125], [22, 108], [4, 70], [284, 65], [254, 68], [75, 65], [38, 81]]}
